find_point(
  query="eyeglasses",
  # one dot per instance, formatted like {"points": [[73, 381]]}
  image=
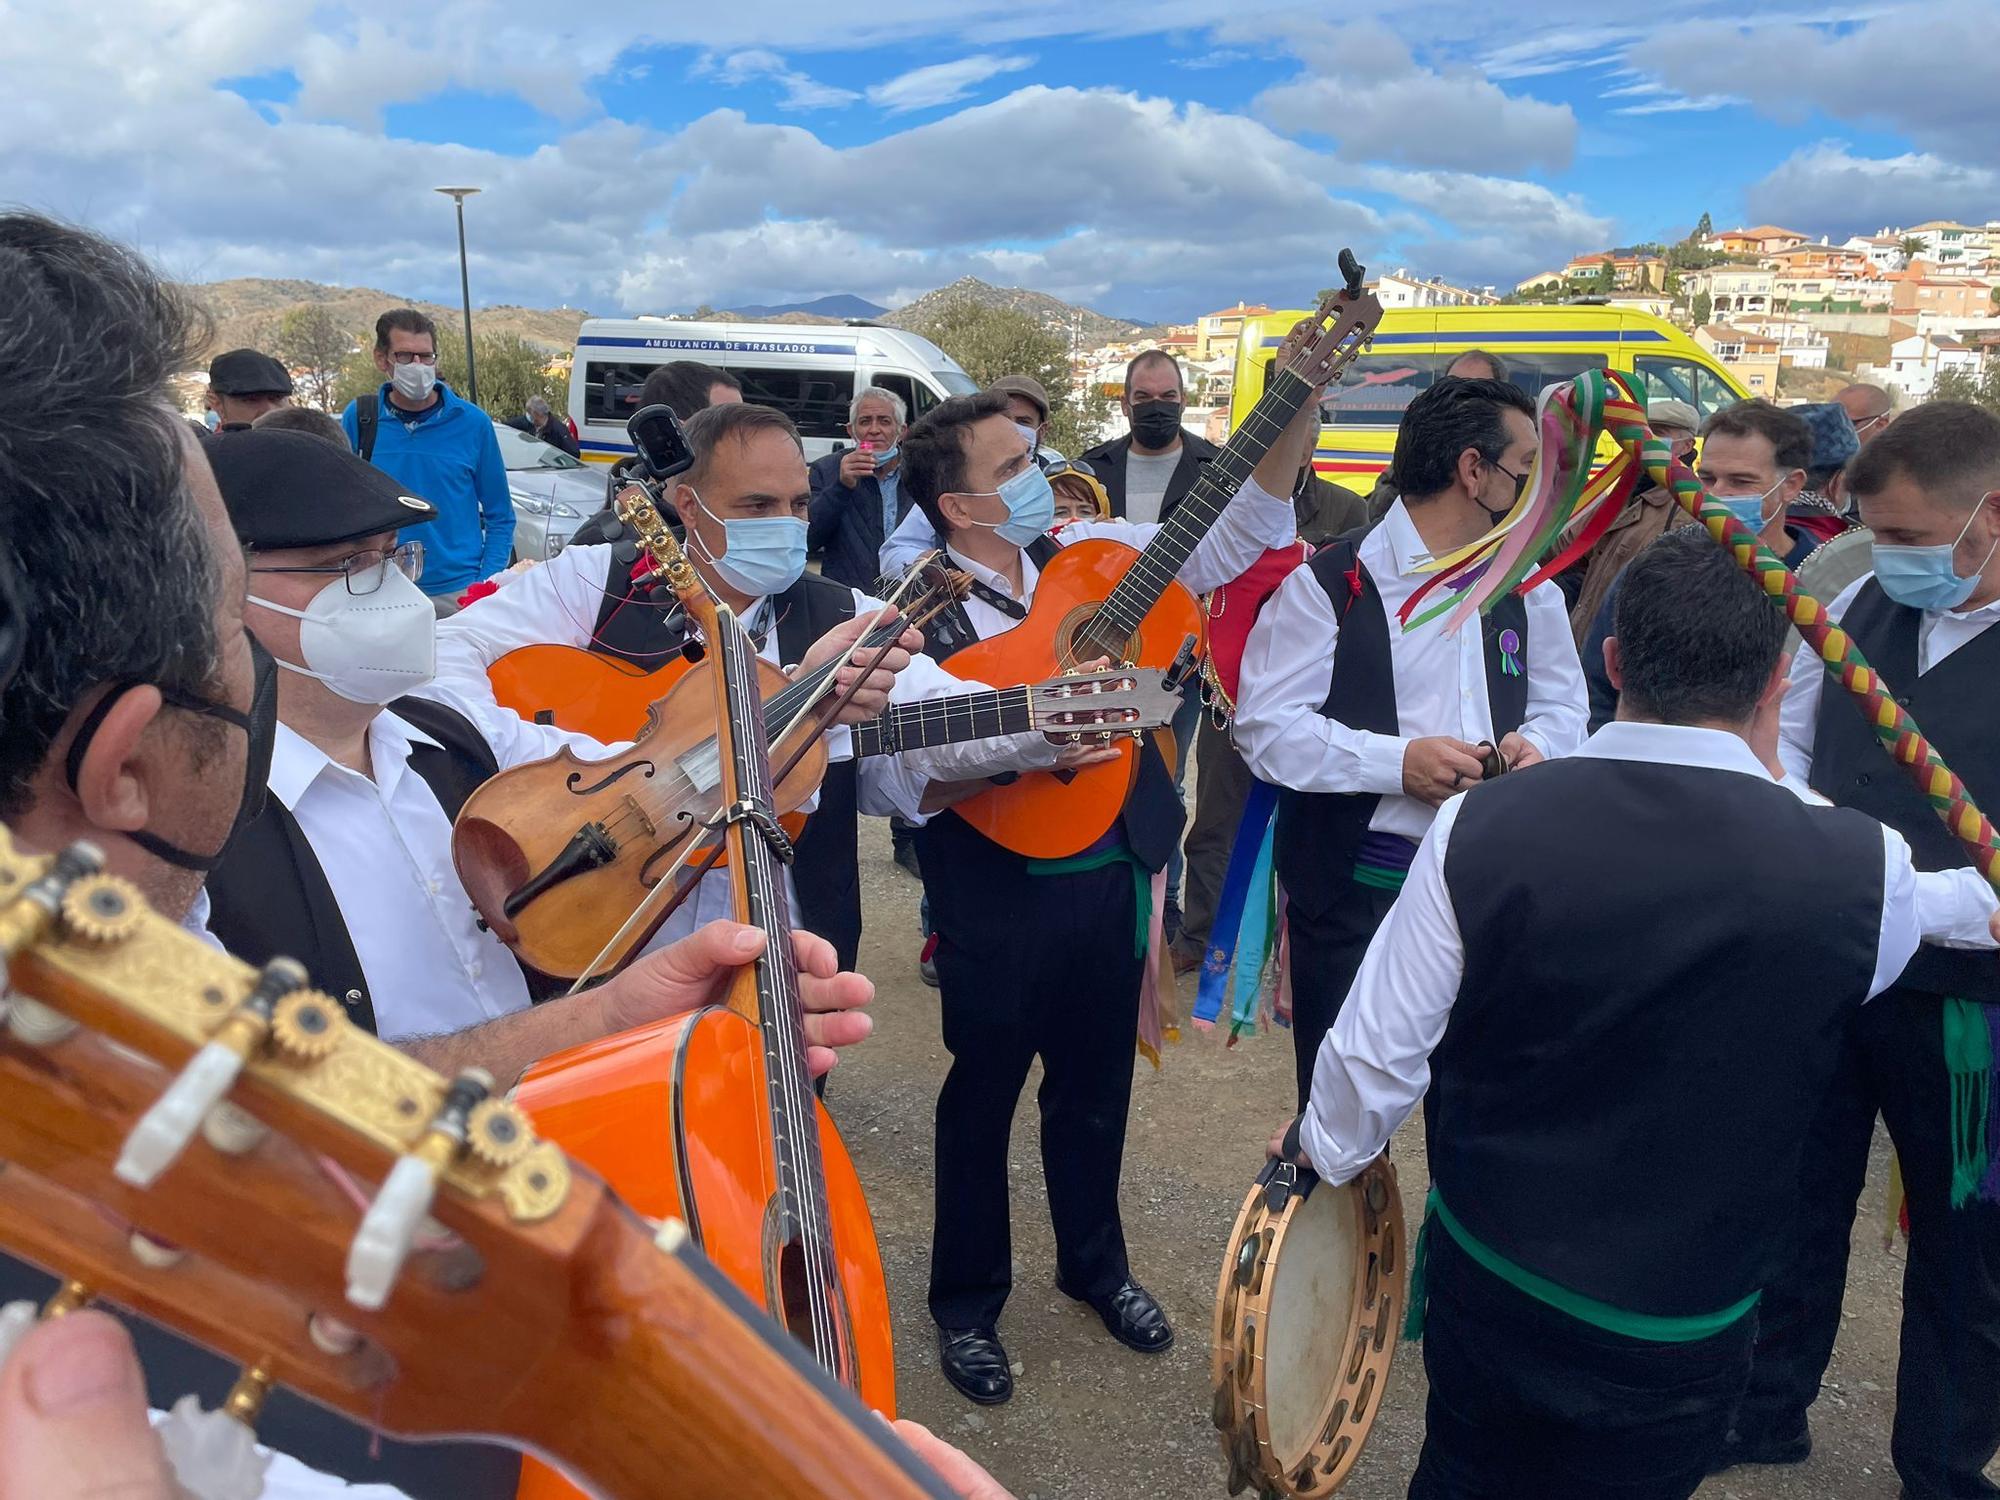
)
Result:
{"points": [[365, 571], [411, 357]]}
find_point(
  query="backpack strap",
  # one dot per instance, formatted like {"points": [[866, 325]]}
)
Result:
{"points": [[367, 417]]}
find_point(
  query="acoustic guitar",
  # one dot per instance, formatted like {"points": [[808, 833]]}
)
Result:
{"points": [[395, 1245], [711, 1118], [1100, 598]]}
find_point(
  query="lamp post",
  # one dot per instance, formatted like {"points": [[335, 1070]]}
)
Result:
{"points": [[458, 195]]}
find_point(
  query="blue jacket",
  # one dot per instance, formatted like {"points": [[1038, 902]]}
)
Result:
{"points": [[450, 457]]}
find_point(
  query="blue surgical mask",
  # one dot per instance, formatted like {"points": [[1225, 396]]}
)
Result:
{"points": [[1747, 509], [1924, 577], [1031, 506], [761, 555], [888, 455]]}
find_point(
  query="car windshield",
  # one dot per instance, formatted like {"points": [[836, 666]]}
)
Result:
{"points": [[523, 450]]}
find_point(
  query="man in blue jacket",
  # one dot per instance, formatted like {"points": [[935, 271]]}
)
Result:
{"points": [[441, 447]]}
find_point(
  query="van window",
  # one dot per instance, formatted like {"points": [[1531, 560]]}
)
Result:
{"points": [[611, 390], [957, 382], [1532, 371], [1677, 378], [815, 399], [918, 398], [1376, 388]]}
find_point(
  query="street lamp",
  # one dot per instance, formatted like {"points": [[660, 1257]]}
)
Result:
{"points": [[458, 195]]}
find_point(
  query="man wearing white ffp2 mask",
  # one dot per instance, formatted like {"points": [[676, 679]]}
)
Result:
{"points": [[350, 867]]}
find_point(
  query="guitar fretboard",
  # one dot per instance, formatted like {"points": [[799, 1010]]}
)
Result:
{"points": [[945, 721], [1221, 477]]}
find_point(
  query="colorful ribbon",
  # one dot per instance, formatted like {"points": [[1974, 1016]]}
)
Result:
{"points": [[1563, 499], [1239, 940]]}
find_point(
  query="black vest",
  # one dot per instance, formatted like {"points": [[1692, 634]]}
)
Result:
{"points": [[270, 895], [1641, 1039], [1953, 705], [1152, 817], [1318, 832], [827, 870]]}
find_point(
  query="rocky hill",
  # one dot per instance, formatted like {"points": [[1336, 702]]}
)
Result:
{"points": [[1091, 328], [246, 309]]}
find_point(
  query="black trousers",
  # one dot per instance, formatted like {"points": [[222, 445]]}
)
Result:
{"points": [[1326, 953], [1032, 966], [1948, 1374], [1527, 1403]]}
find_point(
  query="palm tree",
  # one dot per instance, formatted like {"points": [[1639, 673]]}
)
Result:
{"points": [[1910, 246]]}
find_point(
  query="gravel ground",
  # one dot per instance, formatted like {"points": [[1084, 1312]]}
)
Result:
{"points": [[1093, 1421]]}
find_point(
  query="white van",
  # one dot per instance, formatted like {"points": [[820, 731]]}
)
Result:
{"points": [[809, 372]]}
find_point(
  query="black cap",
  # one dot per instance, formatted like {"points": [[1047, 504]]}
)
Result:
{"points": [[291, 489], [248, 372]]}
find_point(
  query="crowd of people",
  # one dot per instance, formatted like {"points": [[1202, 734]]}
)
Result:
{"points": [[1611, 883]]}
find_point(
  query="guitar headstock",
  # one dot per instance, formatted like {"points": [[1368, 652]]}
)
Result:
{"points": [[349, 1224], [1085, 705], [1336, 332], [636, 507]]}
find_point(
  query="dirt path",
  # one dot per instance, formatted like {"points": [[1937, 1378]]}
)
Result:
{"points": [[1092, 1421]]}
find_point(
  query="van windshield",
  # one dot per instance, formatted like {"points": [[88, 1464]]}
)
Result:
{"points": [[957, 382]]}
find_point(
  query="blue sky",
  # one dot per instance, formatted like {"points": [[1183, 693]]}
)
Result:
{"points": [[1143, 158]]}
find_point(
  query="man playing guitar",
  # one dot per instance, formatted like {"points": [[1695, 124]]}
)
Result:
{"points": [[1036, 957]]}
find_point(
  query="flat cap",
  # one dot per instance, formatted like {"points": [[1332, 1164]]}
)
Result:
{"points": [[248, 372], [1676, 414], [1834, 440], [1025, 386], [290, 489]]}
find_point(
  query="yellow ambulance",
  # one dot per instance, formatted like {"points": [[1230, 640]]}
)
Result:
{"points": [[1540, 344]]}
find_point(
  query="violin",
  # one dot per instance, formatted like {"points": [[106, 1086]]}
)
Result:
{"points": [[711, 1118], [557, 853]]}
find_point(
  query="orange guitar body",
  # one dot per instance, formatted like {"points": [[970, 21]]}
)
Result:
{"points": [[1046, 814], [673, 1116], [605, 697]]}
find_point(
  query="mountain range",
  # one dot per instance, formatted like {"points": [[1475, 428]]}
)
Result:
{"points": [[246, 311]]}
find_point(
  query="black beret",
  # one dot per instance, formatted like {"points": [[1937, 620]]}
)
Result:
{"points": [[291, 489], [247, 372]]}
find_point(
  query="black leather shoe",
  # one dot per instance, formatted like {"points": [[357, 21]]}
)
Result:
{"points": [[1133, 1317], [975, 1364], [1762, 1448]]}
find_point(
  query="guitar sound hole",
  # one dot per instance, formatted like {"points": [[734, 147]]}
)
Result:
{"points": [[1079, 647]]}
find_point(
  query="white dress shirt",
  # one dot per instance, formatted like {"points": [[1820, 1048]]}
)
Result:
{"points": [[1941, 632], [385, 846], [1440, 684], [1374, 1065]]}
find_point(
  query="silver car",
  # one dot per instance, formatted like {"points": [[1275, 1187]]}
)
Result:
{"points": [[553, 493]]}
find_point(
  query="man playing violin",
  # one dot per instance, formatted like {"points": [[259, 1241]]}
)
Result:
{"points": [[1038, 957], [743, 508], [146, 730]]}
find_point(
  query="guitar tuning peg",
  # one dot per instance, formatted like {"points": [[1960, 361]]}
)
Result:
{"points": [[37, 908], [389, 1229], [164, 1131], [214, 1453]]}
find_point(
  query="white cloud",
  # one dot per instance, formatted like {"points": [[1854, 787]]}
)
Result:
{"points": [[801, 90], [1828, 186], [1365, 91], [1920, 69], [942, 83]]}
